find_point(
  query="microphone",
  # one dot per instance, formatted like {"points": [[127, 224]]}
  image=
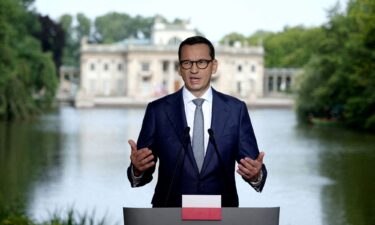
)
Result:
{"points": [[184, 140], [212, 137]]}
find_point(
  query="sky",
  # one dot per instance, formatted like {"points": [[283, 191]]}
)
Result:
{"points": [[214, 19]]}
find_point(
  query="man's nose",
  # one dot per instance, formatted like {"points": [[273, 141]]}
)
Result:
{"points": [[194, 68]]}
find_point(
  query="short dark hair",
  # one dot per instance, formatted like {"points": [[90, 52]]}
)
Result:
{"points": [[197, 40]]}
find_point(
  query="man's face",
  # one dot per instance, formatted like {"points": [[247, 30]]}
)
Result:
{"points": [[197, 80]]}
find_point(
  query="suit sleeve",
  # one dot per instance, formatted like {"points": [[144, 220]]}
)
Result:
{"points": [[248, 146], [145, 139]]}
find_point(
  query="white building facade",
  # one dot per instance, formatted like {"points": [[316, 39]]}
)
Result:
{"points": [[139, 70]]}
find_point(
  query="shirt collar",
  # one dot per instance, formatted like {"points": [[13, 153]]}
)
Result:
{"points": [[188, 96]]}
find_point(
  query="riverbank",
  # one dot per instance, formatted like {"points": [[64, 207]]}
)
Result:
{"points": [[266, 102]]}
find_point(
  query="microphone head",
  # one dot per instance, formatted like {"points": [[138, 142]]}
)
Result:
{"points": [[187, 130], [210, 132]]}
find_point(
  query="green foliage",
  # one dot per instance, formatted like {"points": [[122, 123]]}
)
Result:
{"points": [[291, 48], [232, 38], [73, 218], [73, 35], [109, 28], [338, 83], [11, 215], [27, 75], [259, 37], [114, 27], [52, 38]]}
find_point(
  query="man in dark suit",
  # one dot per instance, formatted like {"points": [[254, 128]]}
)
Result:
{"points": [[197, 134]]}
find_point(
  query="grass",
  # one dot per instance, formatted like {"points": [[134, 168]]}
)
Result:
{"points": [[14, 216]]}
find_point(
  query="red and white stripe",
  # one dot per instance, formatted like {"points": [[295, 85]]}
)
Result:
{"points": [[201, 207]]}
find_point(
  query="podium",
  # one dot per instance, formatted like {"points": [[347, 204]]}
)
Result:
{"points": [[230, 216]]}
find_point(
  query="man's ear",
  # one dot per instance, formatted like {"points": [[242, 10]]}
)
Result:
{"points": [[215, 64]]}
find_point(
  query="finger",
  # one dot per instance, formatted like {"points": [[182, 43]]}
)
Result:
{"points": [[146, 160], [133, 146], [249, 163], [244, 175], [248, 171], [147, 166], [247, 174], [142, 154], [260, 157], [141, 164]]}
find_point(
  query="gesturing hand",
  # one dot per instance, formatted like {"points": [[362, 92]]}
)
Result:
{"points": [[141, 159], [249, 168]]}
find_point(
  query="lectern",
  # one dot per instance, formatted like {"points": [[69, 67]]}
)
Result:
{"points": [[230, 216]]}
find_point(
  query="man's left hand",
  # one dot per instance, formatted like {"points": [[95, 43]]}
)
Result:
{"points": [[249, 168]]}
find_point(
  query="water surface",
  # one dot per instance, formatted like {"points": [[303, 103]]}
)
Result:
{"points": [[77, 158]]}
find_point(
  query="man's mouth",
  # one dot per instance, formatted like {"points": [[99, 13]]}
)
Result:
{"points": [[194, 79]]}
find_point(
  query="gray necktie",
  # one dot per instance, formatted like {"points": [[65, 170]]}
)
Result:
{"points": [[198, 133]]}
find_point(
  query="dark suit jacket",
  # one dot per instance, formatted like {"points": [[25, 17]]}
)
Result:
{"points": [[163, 130]]}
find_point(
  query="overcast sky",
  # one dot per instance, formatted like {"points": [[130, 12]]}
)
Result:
{"points": [[213, 18]]}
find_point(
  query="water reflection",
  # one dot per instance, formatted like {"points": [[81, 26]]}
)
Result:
{"points": [[348, 158], [78, 158], [28, 152]]}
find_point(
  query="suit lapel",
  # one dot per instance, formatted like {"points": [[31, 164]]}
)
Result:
{"points": [[220, 115], [175, 110], [176, 113]]}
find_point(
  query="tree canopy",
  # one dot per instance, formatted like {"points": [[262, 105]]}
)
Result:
{"points": [[338, 63], [27, 74], [339, 80]]}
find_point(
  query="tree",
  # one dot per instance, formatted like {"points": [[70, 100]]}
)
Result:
{"points": [[84, 26], [258, 37], [292, 47], [28, 76], [73, 36], [52, 38], [232, 38], [339, 82], [114, 27]]}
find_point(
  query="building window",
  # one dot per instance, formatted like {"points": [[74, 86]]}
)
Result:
{"points": [[239, 87], [279, 79], [145, 67], [92, 66], [176, 65], [165, 66], [105, 67], [270, 84], [120, 87], [287, 83], [119, 67], [92, 86], [239, 68], [253, 68], [107, 88]]}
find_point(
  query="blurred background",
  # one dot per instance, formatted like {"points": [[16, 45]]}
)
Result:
{"points": [[75, 78]]}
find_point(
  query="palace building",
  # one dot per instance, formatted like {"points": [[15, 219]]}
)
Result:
{"points": [[140, 70]]}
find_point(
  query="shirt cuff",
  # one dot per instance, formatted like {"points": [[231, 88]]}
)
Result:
{"points": [[257, 183], [136, 179]]}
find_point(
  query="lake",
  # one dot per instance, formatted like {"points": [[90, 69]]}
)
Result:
{"points": [[77, 158]]}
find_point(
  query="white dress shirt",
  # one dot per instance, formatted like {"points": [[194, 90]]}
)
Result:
{"points": [[190, 111]]}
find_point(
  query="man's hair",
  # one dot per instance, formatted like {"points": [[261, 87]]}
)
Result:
{"points": [[197, 40]]}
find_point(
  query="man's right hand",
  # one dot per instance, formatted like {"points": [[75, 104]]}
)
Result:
{"points": [[141, 159]]}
